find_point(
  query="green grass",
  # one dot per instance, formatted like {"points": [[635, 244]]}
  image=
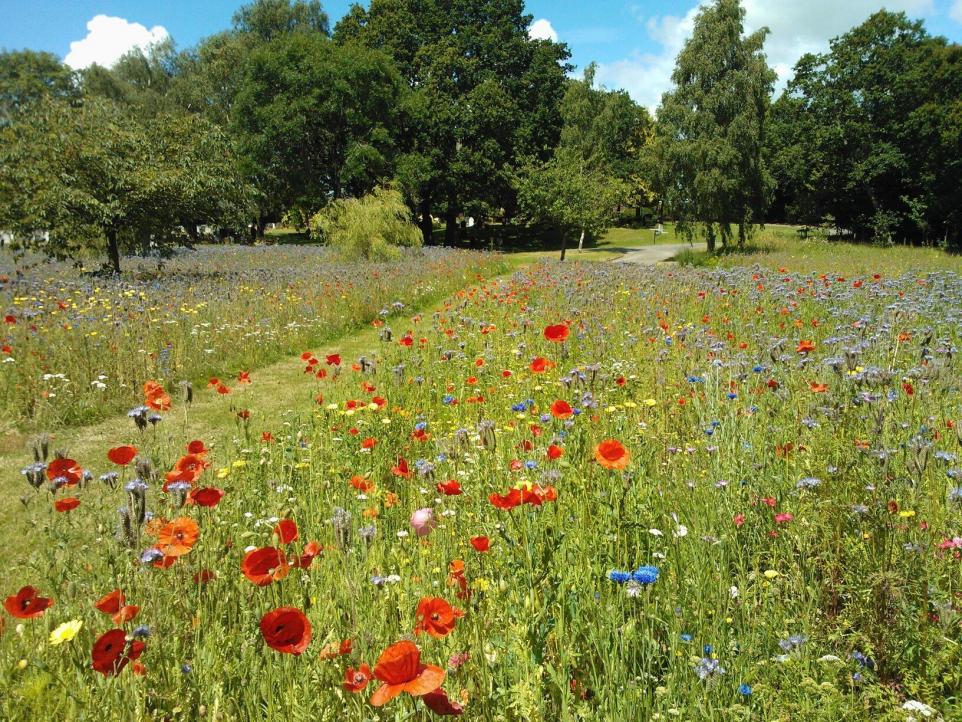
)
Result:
{"points": [[776, 248]]}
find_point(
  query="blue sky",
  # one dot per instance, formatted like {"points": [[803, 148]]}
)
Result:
{"points": [[634, 41]]}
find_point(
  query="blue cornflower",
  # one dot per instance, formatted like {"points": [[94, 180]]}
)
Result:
{"points": [[531, 464], [519, 407], [151, 555], [685, 637], [708, 668], [745, 689], [732, 396], [141, 632], [447, 399], [619, 577], [645, 575], [707, 650]]}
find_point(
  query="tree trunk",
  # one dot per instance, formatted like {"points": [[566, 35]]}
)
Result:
{"points": [[261, 225], [451, 223], [254, 229], [427, 225], [710, 238], [113, 249], [564, 244], [637, 213], [581, 240]]}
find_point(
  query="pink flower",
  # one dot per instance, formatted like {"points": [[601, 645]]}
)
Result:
{"points": [[739, 519], [423, 521], [783, 518], [953, 543]]}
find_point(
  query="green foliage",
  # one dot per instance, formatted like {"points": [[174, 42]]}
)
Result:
{"points": [[871, 134], [373, 227], [580, 188], [313, 117], [75, 178], [27, 76], [711, 127], [268, 19], [481, 97]]}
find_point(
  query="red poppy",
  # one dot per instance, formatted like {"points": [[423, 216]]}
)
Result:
{"points": [[439, 703], [555, 452], [286, 630], [451, 487], [401, 468], [311, 550], [805, 346], [197, 448], [357, 679], [539, 365], [111, 602], [244, 377], [561, 409], [67, 504], [481, 543], [333, 359], [209, 496], [399, 668], [125, 613], [612, 455], [556, 333], [818, 388], [369, 443], [67, 469], [122, 455], [178, 537], [361, 484], [265, 565], [25, 604], [336, 649], [112, 652], [436, 617], [507, 501], [204, 576], [286, 531]]}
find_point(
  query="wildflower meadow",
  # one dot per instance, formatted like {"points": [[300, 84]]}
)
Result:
{"points": [[571, 492]]}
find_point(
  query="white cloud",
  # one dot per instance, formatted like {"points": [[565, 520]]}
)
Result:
{"points": [[108, 38], [542, 30], [797, 28], [956, 11]]}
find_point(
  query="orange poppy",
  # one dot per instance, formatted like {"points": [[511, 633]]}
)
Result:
{"points": [[155, 397], [111, 602], [540, 365], [436, 617], [399, 668], [611, 454], [178, 537]]}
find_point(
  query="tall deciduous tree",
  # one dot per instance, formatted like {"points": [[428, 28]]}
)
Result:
{"points": [[484, 93], [711, 127], [579, 189], [870, 134], [315, 118], [27, 76], [92, 176]]}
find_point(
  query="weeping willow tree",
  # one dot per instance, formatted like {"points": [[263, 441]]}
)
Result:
{"points": [[373, 227]]}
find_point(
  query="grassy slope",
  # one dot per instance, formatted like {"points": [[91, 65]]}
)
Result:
{"points": [[277, 391]]}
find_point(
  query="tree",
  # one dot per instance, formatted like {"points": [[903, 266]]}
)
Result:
{"points": [[373, 227], [27, 76], [93, 177], [483, 95], [268, 19], [314, 119], [711, 127], [870, 134], [579, 189]]}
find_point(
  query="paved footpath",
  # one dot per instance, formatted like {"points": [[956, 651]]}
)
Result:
{"points": [[649, 255]]}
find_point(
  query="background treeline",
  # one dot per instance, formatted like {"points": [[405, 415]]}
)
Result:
{"points": [[450, 104]]}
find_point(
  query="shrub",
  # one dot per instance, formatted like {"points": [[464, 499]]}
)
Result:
{"points": [[373, 227]]}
